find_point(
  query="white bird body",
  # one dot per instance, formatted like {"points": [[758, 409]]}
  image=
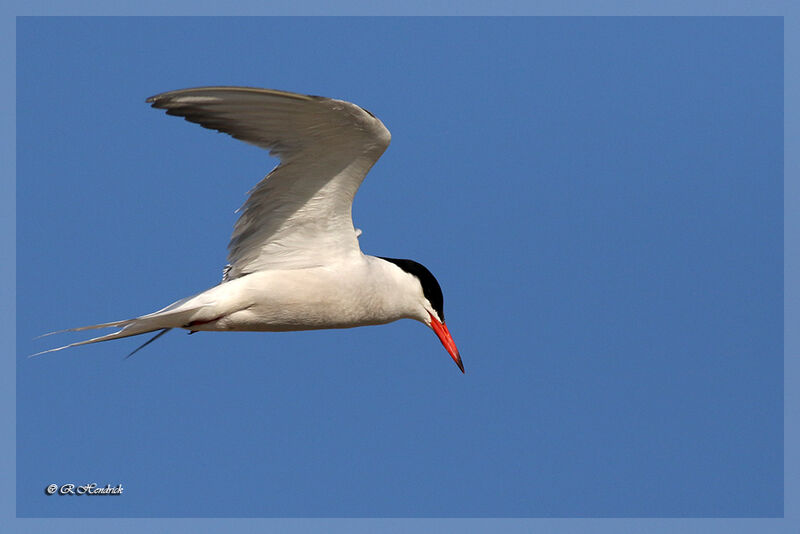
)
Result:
{"points": [[339, 295], [294, 258]]}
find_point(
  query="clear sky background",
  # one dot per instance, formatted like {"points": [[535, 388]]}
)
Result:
{"points": [[600, 198]]}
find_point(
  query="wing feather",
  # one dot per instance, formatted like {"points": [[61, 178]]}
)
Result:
{"points": [[299, 215]]}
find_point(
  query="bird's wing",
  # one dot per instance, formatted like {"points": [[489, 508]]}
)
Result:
{"points": [[299, 215]]}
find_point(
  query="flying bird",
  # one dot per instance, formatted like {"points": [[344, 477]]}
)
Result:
{"points": [[294, 262]]}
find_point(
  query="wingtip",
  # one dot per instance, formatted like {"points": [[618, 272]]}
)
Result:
{"points": [[143, 345], [155, 100], [192, 91]]}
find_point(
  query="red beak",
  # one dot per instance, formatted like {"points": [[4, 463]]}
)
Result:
{"points": [[447, 340]]}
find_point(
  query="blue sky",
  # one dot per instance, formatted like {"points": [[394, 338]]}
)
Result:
{"points": [[601, 200]]}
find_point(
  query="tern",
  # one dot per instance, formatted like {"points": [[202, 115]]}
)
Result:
{"points": [[294, 262]]}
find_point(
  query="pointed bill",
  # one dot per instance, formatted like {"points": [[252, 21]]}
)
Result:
{"points": [[447, 341]]}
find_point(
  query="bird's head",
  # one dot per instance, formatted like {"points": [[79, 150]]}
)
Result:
{"points": [[428, 303]]}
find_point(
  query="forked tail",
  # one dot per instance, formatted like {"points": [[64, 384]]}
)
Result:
{"points": [[129, 328], [176, 315]]}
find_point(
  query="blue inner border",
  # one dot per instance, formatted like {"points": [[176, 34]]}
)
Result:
{"points": [[430, 7]]}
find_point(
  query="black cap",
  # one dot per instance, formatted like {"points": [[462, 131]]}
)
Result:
{"points": [[430, 287]]}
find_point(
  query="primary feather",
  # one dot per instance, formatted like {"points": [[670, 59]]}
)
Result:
{"points": [[299, 215]]}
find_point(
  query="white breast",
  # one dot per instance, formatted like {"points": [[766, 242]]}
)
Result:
{"points": [[363, 291]]}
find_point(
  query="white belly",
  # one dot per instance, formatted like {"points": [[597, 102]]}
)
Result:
{"points": [[309, 299]]}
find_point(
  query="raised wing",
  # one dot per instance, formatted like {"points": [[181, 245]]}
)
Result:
{"points": [[299, 215]]}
